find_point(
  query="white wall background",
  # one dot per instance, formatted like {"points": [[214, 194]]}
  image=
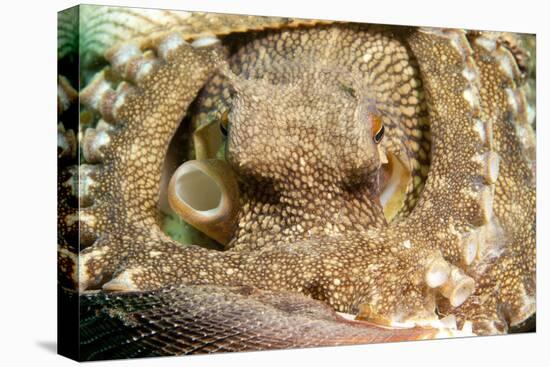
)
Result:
{"points": [[28, 166]]}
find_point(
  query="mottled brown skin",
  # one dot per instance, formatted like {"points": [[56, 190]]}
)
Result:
{"points": [[506, 286], [505, 266], [307, 160], [375, 59], [300, 140]]}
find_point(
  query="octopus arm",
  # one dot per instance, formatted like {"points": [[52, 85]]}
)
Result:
{"points": [[119, 188]]}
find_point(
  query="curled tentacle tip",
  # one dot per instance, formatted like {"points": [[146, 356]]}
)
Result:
{"points": [[458, 287], [205, 194], [437, 273]]}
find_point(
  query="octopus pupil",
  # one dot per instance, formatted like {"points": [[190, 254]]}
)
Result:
{"points": [[379, 135], [223, 130]]}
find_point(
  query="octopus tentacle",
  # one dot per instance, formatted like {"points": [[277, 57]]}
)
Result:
{"points": [[120, 145], [443, 254], [456, 201], [66, 252], [463, 163], [102, 27], [67, 148], [496, 304], [416, 266]]}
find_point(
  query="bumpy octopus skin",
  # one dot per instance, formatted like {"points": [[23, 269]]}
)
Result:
{"points": [[311, 222]]}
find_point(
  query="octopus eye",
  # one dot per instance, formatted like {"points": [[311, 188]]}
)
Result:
{"points": [[379, 135], [224, 122], [377, 129]]}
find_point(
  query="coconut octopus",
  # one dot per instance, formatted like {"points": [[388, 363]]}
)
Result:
{"points": [[383, 172]]}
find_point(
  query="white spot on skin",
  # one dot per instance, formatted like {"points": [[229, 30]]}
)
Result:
{"points": [[506, 67], [407, 244], [205, 41], [347, 316], [101, 139], [470, 249], [366, 57], [96, 253], [486, 43], [119, 102], [458, 42], [144, 69], [490, 162], [469, 74], [480, 129], [84, 180], [531, 114], [470, 97], [124, 54], [487, 203], [493, 167], [83, 217], [102, 88], [512, 102], [103, 126], [169, 44], [438, 273]]}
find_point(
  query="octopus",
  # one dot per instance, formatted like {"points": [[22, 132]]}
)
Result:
{"points": [[377, 184]]}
